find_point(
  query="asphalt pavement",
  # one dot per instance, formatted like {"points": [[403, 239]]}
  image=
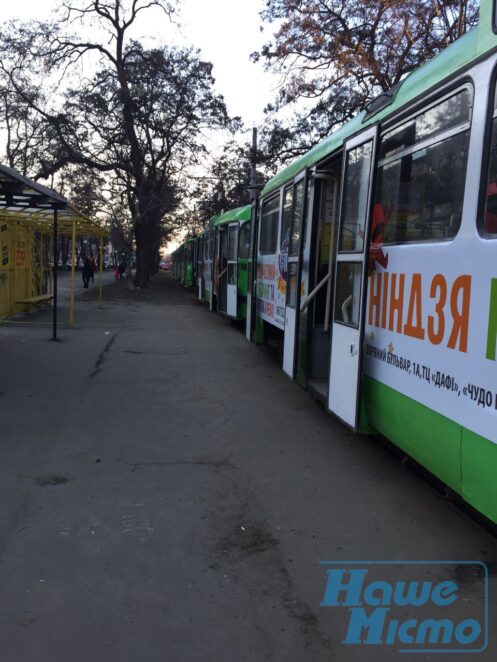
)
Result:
{"points": [[64, 282], [168, 495]]}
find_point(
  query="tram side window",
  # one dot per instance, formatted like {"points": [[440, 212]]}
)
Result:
{"points": [[490, 211], [357, 176], [211, 245], [232, 237], [269, 226], [298, 205], [422, 172], [286, 219], [244, 241]]}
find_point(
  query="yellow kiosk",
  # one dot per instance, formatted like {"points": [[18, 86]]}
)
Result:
{"points": [[32, 217]]}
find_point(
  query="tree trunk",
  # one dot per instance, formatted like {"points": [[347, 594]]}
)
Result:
{"points": [[148, 237], [142, 275]]}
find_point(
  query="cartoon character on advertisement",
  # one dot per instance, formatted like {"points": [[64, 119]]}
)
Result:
{"points": [[379, 223]]}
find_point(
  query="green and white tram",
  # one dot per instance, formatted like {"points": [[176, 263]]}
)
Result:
{"points": [[232, 245], [184, 262], [376, 264], [223, 250], [205, 263]]}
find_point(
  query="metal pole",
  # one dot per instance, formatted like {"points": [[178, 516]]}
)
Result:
{"points": [[55, 270], [13, 257], [41, 263], [253, 166], [330, 257], [50, 280], [73, 273], [101, 283]]}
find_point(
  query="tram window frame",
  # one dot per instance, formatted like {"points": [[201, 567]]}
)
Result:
{"points": [[356, 226], [244, 241], [298, 210], [490, 130], [272, 246], [437, 138], [233, 242], [286, 218], [210, 254]]}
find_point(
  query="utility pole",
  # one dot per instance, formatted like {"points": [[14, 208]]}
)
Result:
{"points": [[55, 269], [254, 194], [253, 167]]}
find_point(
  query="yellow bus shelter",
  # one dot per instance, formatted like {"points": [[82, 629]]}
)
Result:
{"points": [[32, 218]]}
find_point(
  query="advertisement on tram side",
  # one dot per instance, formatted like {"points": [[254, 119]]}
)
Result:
{"points": [[271, 289], [431, 329]]}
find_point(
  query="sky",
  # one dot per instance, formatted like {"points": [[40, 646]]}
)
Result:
{"points": [[226, 31]]}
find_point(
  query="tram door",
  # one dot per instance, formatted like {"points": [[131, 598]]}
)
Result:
{"points": [[250, 271], [351, 278], [211, 268], [216, 268], [315, 309], [222, 270], [293, 204], [200, 268], [232, 279]]}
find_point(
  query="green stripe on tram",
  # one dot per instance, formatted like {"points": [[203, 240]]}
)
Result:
{"points": [[492, 322]]}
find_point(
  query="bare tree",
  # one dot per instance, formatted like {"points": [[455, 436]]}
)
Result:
{"points": [[226, 186], [139, 117], [335, 56]]}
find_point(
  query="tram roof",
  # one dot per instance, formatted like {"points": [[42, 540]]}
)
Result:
{"points": [[418, 82], [239, 214], [26, 201], [212, 222]]}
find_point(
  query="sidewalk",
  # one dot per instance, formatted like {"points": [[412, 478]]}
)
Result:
{"points": [[64, 281], [167, 494]]}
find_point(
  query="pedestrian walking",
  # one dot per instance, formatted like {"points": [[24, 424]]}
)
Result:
{"points": [[93, 265], [86, 273]]}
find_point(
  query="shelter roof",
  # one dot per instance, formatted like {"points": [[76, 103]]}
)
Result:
{"points": [[29, 202]]}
